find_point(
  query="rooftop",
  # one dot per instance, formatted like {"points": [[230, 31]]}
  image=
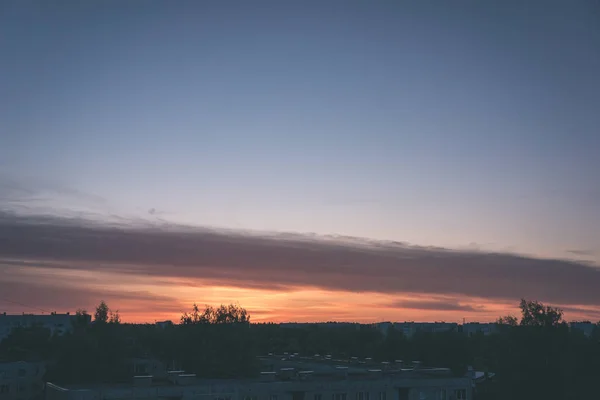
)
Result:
{"points": [[328, 367]]}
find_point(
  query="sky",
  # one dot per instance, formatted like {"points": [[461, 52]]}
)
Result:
{"points": [[348, 160]]}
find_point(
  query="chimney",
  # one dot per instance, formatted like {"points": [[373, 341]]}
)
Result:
{"points": [[416, 364]]}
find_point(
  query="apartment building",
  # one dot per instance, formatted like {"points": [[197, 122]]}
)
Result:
{"points": [[21, 380], [290, 378], [58, 324], [472, 328], [585, 327], [408, 329]]}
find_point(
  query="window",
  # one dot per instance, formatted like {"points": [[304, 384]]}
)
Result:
{"points": [[382, 395], [273, 397], [443, 394], [318, 397], [250, 398], [22, 388], [338, 396], [22, 372], [460, 394], [4, 388]]}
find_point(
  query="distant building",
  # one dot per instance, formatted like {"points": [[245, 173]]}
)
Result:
{"points": [[384, 327], [409, 329], [301, 378], [21, 380], [586, 327], [164, 324], [58, 324], [303, 325], [473, 328]]}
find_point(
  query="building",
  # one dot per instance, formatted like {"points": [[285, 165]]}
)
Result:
{"points": [[473, 328], [290, 378], [304, 325], [21, 380], [164, 324], [586, 327], [408, 329], [58, 324], [384, 327]]}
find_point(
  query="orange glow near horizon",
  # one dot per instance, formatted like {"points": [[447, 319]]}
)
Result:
{"points": [[146, 299]]}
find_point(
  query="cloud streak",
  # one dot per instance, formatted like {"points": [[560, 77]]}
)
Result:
{"points": [[437, 305], [288, 261]]}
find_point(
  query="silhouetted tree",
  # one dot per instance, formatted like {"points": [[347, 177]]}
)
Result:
{"points": [[509, 320], [222, 315], [535, 313], [81, 318], [114, 317], [102, 313]]}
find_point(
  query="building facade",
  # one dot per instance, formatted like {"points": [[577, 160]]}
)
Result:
{"points": [[58, 324], [473, 328], [21, 380], [291, 378], [409, 329]]}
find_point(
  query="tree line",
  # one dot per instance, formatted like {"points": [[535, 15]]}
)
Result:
{"points": [[536, 356]]}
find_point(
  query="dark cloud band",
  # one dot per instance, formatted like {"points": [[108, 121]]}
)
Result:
{"points": [[294, 260]]}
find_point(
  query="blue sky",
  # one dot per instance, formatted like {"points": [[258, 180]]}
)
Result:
{"points": [[437, 124]]}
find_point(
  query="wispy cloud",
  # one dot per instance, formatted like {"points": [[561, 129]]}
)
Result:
{"points": [[24, 190], [581, 252], [437, 305]]}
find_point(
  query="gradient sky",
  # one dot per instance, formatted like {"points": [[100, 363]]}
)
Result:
{"points": [[456, 124]]}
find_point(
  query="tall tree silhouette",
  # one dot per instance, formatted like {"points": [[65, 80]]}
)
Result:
{"points": [[102, 313]]}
